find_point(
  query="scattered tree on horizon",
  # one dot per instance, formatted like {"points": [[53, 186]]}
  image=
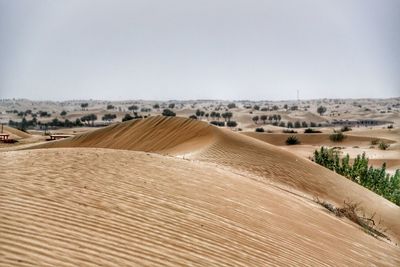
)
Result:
{"points": [[231, 105], [321, 110], [255, 119], [263, 118], [133, 108], [231, 124], [168, 113], [84, 105], [127, 117], [109, 117], [227, 116], [89, 118]]}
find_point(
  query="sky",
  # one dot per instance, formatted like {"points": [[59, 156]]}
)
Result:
{"points": [[209, 49]]}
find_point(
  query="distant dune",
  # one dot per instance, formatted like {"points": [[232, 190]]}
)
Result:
{"points": [[319, 139], [15, 133], [91, 207]]}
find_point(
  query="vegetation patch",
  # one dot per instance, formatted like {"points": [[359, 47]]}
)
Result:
{"points": [[375, 179], [310, 130], [337, 137], [383, 145], [289, 131], [218, 123], [292, 140], [345, 129]]}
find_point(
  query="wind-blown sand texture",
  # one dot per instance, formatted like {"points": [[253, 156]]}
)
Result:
{"points": [[93, 207], [210, 197]]}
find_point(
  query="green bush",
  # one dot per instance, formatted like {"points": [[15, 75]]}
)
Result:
{"points": [[292, 140], [289, 131], [383, 145], [375, 179], [309, 130], [374, 141], [218, 123], [337, 137], [231, 124], [168, 112], [345, 129]]}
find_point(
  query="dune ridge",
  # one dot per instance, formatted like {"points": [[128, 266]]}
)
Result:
{"points": [[199, 141]]}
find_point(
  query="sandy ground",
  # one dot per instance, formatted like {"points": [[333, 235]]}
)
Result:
{"points": [[92, 207]]}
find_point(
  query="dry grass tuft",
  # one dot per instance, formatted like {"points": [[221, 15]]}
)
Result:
{"points": [[352, 211]]}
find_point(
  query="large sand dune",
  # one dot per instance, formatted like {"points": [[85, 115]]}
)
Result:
{"points": [[259, 160], [91, 207]]}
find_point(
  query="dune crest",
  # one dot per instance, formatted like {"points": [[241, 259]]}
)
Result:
{"points": [[265, 162]]}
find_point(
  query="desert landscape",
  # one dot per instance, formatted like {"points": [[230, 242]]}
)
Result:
{"points": [[199, 133], [175, 189]]}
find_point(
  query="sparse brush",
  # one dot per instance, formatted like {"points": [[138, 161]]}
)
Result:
{"points": [[337, 137], [345, 129], [351, 211], [383, 145], [289, 131], [310, 130], [374, 141], [292, 140]]}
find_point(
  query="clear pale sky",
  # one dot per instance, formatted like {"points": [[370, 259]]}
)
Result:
{"points": [[214, 49]]}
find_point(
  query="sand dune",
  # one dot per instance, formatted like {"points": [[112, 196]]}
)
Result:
{"points": [[267, 163], [155, 134], [92, 207]]}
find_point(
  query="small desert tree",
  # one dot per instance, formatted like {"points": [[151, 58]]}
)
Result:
{"points": [[231, 105], [84, 105], [231, 124], [127, 117], [109, 117], [169, 113], [133, 108], [227, 116], [255, 119], [321, 110], [263, 118]]}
